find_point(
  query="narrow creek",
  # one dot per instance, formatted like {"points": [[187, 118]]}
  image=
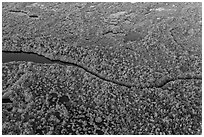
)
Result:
{"points": [[8, 56]]}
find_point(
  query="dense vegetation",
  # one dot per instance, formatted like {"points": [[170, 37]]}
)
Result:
{"points": [[135, 68]]}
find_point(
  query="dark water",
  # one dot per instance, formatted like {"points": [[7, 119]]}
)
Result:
{"points": [[132, 36], [21, 56], [8, 56]]}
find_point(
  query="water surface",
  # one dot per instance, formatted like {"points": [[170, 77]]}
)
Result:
{"points": [[30, 57], [8, 56]]}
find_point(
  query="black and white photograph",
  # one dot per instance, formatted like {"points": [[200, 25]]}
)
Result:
{"points": [[101, 68]]}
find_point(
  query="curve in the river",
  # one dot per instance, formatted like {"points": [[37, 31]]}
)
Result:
{"points": [[8, 56]]}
